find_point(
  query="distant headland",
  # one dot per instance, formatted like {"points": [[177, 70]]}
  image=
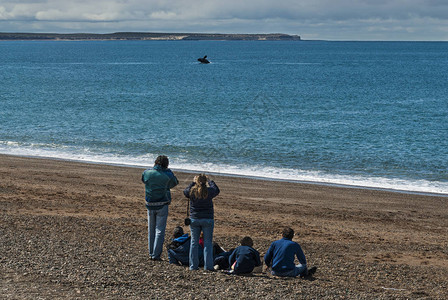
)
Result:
{"points": [[143, 36]]}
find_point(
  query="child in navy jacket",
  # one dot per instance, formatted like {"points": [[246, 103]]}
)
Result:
{"points": [[244, 258], [179, 248]]}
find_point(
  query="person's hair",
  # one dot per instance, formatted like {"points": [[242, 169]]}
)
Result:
{"points": [[162, 161], [178, 232], [199, 190], [247, 241], [288, 233]]}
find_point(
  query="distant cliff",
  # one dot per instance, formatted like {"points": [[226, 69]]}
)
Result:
{"points": [[149, 36]]}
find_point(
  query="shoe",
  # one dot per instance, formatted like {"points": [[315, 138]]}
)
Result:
{"points": [[311, 271], [217, 267], [156, 259]]}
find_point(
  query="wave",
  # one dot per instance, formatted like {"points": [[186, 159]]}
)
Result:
{"points": [[251, 171], [294, 63]]}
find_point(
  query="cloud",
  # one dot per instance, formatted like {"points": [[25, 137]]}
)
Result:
{"points": [[346, 19]]}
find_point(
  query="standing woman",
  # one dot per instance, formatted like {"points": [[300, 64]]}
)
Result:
{"points": [[201, 215]]}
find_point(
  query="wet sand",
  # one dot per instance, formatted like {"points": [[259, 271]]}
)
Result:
{"points": [[77, 230]]}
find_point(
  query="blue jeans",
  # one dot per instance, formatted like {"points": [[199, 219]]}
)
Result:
{"points": [[298, 270], [156, 230], [206, 226]]}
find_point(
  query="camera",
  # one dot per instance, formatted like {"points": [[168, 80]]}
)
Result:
{"points": [[187, 221]]}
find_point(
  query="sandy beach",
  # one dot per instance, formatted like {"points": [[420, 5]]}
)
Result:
{"points": [[78, 230]]}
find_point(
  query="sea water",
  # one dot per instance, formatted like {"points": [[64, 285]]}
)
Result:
{"points": [[371, 114]]}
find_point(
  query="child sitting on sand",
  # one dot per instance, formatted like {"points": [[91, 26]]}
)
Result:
{"points": [[244, 258], [179, 248]]}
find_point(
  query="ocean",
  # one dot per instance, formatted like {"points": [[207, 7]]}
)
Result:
{"points": [[368, 114]]}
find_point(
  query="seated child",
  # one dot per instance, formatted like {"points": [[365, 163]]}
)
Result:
{"points": [[244, 258], [179, 248]]}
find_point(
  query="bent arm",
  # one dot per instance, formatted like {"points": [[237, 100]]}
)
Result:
{"points": [[173, 179], [232, 257], [257, 259], [172, 257], [301, 256], [187, 190], [268, 256], [173, 182], [214, 188], [145, 176]]}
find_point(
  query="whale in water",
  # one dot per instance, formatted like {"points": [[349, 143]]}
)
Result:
{"points": [[203, 60]]}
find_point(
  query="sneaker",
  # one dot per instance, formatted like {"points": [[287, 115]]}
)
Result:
{"points": [[217, 267]]}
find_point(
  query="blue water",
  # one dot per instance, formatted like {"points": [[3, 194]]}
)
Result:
{"points": [[371, 114]]}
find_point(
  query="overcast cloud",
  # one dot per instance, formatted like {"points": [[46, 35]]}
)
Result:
{"points": [[311, 19]]}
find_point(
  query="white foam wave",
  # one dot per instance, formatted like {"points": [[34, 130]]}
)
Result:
{"points": [[415, 186], [293, 63], [262, 172]]}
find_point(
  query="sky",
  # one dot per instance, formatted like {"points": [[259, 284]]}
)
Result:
{"points": [[364, 20]]}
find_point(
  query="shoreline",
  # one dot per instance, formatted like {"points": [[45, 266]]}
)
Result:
{"points": [[317, 183], [148, 36], [79, 230]]}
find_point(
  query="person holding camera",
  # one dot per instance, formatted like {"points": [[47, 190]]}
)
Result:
{"points": [[158, 182], [201, 219]]}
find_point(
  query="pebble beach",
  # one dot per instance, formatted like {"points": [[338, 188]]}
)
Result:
{"points": [[73, 230]]}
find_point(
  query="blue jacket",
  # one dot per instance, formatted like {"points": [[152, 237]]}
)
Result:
{"points": [[281, 253], [158, 182], [202, 208], [247, 258], [180, 253]]}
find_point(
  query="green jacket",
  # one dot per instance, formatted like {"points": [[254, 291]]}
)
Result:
{"points": [[158, 182]]}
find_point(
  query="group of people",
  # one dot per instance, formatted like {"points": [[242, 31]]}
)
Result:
{"points": [[198, 249]]}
